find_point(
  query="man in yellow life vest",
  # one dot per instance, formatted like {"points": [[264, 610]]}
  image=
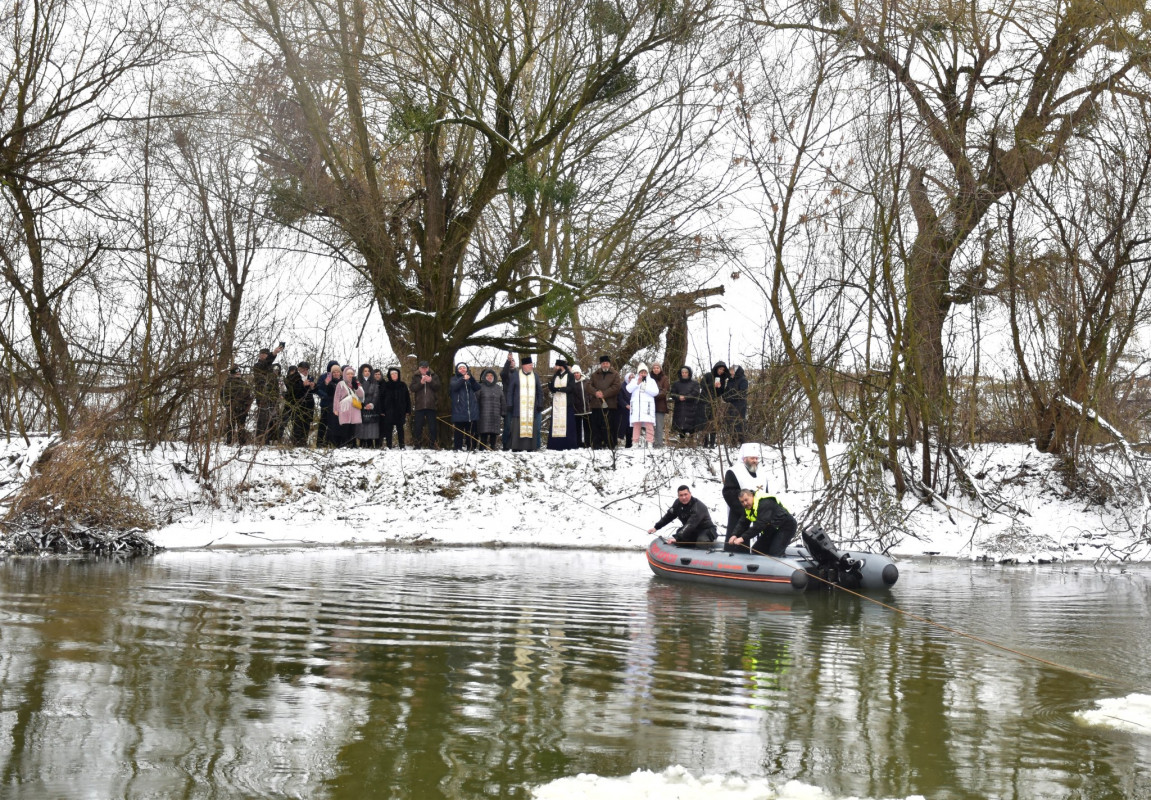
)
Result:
{"points": [[766, 521]]}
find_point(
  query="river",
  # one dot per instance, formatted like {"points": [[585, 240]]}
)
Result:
{"points": [[496, 673]]}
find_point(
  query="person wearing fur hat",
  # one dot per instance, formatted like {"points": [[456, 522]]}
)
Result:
{"points": [[743, 474], [643, 390], [525, 397]]}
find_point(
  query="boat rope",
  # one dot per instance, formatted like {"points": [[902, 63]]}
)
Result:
{"points": [[811, 575]]}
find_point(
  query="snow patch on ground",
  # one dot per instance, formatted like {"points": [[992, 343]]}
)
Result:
{"points": [[676, 783], [1131, 713], [294, 497]]}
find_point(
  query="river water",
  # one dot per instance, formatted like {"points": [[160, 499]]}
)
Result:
{"points": [[497, 673]]}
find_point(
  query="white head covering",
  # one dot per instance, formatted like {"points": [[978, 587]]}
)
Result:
{"points": [[642, 368], [749, 450], [575, 368]]}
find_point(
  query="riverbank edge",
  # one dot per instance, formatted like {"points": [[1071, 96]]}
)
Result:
{"points": [[280, 497]]}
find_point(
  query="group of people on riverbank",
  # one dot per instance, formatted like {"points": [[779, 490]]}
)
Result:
{"points": [[367, 407], [756, 521]]}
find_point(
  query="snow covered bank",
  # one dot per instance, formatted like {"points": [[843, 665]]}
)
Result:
{"points": [[290, 497], [676, 783]]}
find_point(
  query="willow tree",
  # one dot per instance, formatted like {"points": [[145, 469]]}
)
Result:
{"points": [[995, 91], [392, 129]]}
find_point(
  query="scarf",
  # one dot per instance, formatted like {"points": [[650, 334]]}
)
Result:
{"points": [[560, 408], [527, 404]]}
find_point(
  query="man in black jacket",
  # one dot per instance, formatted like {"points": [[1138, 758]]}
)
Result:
{"points": [[765, 518], [692, 515], [301, 403]]}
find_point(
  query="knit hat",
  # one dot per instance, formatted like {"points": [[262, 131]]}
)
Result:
{"points": [[576, 370], [424, 364], [642, 368]]}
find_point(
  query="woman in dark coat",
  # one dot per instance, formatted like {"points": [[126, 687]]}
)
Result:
{"points": [[368, 431], [493, 406], [736, 398], [684, 394], [711, 389], [396, 404], [465, 409]]}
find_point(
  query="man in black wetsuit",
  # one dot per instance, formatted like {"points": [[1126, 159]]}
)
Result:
{"points": [[765, 518], [697, 527]]}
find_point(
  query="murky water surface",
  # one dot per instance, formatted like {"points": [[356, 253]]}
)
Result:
{"points": [[479, 673]]}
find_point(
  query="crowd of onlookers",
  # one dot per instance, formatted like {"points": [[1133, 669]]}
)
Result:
{"points": [[369, 407]]}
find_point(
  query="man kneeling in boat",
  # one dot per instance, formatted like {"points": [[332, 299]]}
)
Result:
{"points": [[693, 516], [765, 518]]}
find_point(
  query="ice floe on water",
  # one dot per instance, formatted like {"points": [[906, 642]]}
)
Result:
{"points": [[676, 783], [1131, 713]]}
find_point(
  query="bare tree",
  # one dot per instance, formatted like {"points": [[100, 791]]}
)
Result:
{"points": [[62, 92], [1078, 268], [997, 91]]}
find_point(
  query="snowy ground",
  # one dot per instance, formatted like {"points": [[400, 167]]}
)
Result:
{"points": [[288, 497]]}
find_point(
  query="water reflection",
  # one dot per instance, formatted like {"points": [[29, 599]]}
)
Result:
{"points": [[462, 674]]}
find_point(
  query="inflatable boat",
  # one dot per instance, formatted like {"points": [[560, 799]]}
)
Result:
{"points": [[814, 566]]}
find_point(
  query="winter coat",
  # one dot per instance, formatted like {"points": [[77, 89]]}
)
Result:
{"points": [[684, 416], [236, 394], [464, 406], [325, 389], [642, 399], [265, 381], [581, 396], [493, 405], [299, 395], [709, 393], [395, 401], [736, 393], [664, 384], [693, 516], [425, 395], [369, 428], [607, 382], [348, 414]]}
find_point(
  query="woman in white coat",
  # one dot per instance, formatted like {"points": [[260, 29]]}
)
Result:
{"points": [[643, 390]]}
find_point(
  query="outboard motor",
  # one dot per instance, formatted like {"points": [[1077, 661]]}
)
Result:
{"points": [[831, 565]]}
